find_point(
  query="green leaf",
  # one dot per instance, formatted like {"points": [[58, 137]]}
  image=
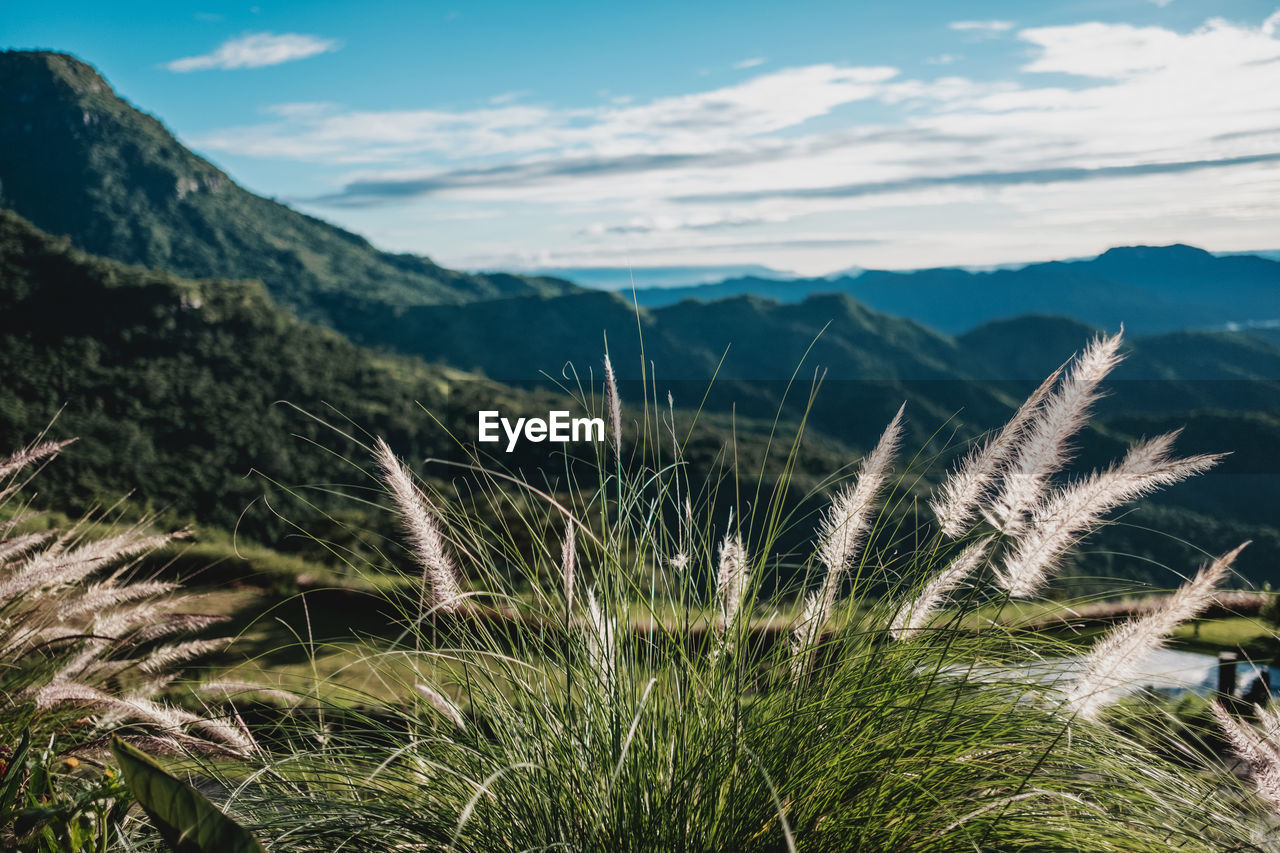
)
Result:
{"points": [[187, 821], [13, 775]]}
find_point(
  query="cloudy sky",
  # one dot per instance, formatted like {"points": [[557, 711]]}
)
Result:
{"points": [[807, 136]]}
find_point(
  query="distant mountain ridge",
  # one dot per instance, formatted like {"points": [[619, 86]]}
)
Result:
{"points": [[623, 278], [1148, 289], [173, 385], [77, 160]]}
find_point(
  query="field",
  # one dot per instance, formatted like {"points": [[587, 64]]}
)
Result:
{"points": [[614, 666]]}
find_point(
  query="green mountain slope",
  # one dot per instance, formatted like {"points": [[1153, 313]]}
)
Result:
{"points": [[174, 386], [77, 160], [180, 390], [868, 362]]}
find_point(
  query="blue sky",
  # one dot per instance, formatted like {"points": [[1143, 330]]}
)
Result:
{"points": [[805, 136]]}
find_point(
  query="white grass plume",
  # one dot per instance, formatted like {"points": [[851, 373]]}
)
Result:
{"points": [[18, 545], [914, 616], [600, 640], [101, 597], [804, 636], [1256, 749], [231, 689], [843, 530], [955, 504], [421, 523], [1114, 660], [1045, 448], [163, 659], [442, 705], [58, 566], [30, 455], [568, 564], [1072, 511], [844, 526], [614, 403], [115, 709], [731, 580]]}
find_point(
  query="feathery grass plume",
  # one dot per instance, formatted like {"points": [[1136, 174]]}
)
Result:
{"points": [[847, 520], [165, 657], [568, 564], [1045, 448], [1114, 660], [114, 710], [1255, 748], [1074, 510], [841, 533], [956, 502], [804, 636], [101, 597], [614, 403], [71, 645], [446, 708], [421, 523], [731, 580], [914, 616], [19, 545], [58, 566], [231, 689], [29, 455], [600, 641]]}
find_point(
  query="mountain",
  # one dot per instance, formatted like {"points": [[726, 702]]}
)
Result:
{"points": [[1147, 289], [77, 160], [172, 377], [624, 278], [174, 386], [204, 397], [869, 362]]}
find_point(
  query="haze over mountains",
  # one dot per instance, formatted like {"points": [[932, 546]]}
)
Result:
{"points": [[1149, 289], [162, 366]]}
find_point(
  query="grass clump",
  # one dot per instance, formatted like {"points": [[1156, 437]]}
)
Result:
{"points": [[87, 647], [618, 667]]}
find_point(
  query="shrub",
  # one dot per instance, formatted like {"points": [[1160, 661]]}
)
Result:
{"points": [[620, 673]]}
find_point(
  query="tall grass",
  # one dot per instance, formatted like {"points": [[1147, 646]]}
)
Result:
{"points": [[86, 648], [617, 666]]}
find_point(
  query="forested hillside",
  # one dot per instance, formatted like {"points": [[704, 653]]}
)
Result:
{"points": [[77, 160]]}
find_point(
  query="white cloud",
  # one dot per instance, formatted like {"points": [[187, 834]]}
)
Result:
{"points": [[703, 121], [944, 59], [981, 26], [750, 63], [1157, 134], [256, 50], [507, 98]]}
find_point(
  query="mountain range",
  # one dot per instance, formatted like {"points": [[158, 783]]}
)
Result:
{"points": [[1147, 289], [170, 309]]}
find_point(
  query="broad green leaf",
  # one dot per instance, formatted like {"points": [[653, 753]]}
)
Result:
{"points": [[187, 821]]}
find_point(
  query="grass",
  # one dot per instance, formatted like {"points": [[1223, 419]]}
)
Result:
{"points": [[663, 678], [617, 706], [1216, 635]]}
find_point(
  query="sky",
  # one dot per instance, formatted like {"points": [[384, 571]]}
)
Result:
{"points": [[808, 137]]}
